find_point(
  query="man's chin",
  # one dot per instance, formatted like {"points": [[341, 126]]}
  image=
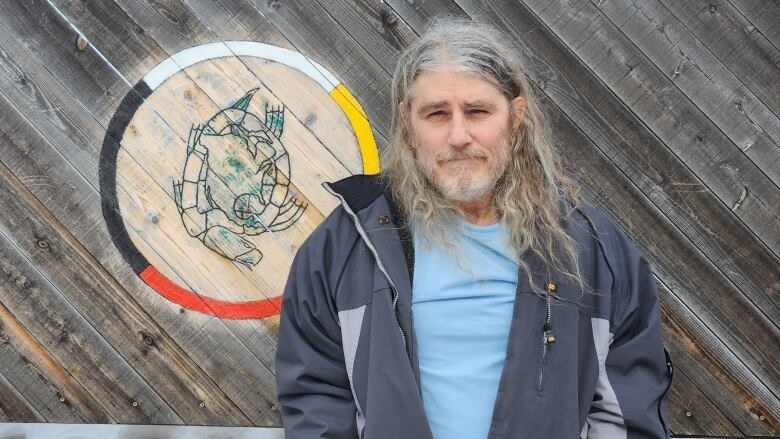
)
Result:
{"points": [[462, 192]]}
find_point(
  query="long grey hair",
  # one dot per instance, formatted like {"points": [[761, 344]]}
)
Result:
{"points": [[532, 195]]}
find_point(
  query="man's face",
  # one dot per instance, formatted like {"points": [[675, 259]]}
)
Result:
{"points": [[461, 127]]}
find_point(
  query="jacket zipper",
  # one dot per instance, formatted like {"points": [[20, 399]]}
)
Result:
{"points": [[364, 237], [547, 339]]}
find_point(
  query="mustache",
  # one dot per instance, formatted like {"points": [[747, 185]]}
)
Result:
{"points": [[461, 154]]}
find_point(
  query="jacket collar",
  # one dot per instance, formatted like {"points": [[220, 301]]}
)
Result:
{"points": [[360, 191]]}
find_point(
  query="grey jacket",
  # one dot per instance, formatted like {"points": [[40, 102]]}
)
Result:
{"points": [[346, 362]]}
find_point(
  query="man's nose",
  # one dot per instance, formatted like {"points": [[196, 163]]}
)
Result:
{"points": [[459, 133]]}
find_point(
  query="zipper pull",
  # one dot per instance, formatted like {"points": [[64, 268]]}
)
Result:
{"points": [[548, 335]]}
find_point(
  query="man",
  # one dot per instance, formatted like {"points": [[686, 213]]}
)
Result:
{"points": [[467, 292]]}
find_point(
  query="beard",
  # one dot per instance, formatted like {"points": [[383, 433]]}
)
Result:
{"points": [[464, 181]]}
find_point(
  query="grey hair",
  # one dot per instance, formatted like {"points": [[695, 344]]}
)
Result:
{"points": [[532, 195]]}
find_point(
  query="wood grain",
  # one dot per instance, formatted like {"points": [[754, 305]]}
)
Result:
{"points": [[417, 14], [13, 406], [702, 78], [720, 375], [732, 38], [78, 208], [373, 25], [706, 159], [106, 305], [691, 412], [50, 389], [73, 343], [763, 15]]}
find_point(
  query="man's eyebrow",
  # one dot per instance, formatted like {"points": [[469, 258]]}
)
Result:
{"points": [[425, 108], [479, 103], [430, 106]]}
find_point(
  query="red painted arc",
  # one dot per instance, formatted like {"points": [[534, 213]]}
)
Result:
{"points": [[231, 310]]}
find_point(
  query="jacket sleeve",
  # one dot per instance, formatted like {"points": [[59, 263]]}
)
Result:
{"points": [[636, 375], [311, 378]]}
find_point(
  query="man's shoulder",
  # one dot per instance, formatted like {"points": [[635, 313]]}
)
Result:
{"points": [[330, 234], [605, 227], [619, 247]]}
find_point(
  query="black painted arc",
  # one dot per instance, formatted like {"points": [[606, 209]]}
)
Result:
{"points": [[107, 176]]}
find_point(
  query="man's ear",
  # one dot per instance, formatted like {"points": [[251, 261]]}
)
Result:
{"points": [[518, 109]]}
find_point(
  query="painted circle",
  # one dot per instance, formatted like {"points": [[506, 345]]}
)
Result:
{"points": [[211, 171]]}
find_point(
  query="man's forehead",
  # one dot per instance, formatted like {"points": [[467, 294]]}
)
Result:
{"points": [[443, 88]]}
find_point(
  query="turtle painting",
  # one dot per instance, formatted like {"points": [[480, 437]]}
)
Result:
{"points": [[236, 181]]}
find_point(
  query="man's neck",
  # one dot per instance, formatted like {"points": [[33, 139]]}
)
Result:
{"points": [[480, 212]]}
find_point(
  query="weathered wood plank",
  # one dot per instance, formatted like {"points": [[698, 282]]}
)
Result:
{"points": [[267, 329], [690, 412], [719, 374], [685, 61], [238, 20], [318, 37], [67, 337], [373, 25], [416, 14], [763, 15], [49, 388], [107, 306], [177, 366], [688, 136], [79, 281], [302, 149], [732, 38], [13, 406], [83, 135], [44, 33], [200, 336]]}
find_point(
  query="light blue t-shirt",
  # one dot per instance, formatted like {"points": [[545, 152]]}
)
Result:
{"points": [[462, 310]]}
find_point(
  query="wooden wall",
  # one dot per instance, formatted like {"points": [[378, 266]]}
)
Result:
{"points": [[667, 112]]}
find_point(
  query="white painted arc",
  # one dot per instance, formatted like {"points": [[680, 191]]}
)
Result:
{"points": [[187, 57]]}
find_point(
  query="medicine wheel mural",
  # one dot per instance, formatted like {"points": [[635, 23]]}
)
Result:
{"points": [[212, 166]]}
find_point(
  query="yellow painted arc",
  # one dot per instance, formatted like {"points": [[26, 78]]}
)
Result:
{"points": [[357, 117]]}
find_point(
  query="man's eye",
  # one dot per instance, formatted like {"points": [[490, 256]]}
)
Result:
{"points": [[437, 113], [477, 110]]}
